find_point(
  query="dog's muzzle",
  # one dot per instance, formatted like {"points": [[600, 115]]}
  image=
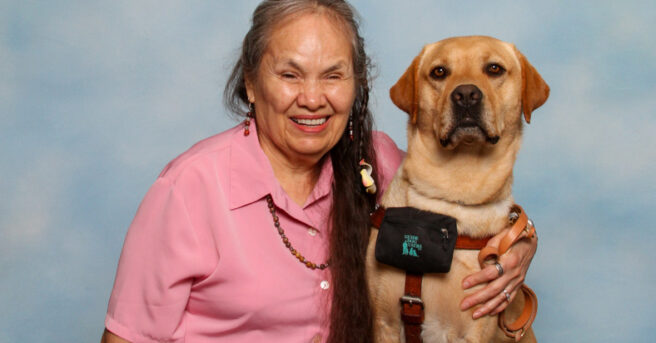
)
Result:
{"points": [[467, 102]]}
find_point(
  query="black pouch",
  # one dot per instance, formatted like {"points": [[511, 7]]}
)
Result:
{"points": [[416, 241]]}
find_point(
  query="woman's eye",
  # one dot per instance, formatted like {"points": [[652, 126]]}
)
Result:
{"points": [[494, 69], [439, 72]]}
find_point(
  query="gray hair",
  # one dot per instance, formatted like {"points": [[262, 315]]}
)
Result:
{"points": [[266, 16]]}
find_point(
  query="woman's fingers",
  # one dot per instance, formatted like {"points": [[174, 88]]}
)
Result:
{"points": [[514, 264], [493, 297], [507, 265], [485, 275], [492, 289], [508, 276], [504, 303], [512, 294]]}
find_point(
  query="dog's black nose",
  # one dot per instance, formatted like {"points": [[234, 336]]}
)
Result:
{"points": [[466, 96]]}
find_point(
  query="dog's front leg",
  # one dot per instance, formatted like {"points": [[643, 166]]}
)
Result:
{"points": [[387, 331], [385, 288]]}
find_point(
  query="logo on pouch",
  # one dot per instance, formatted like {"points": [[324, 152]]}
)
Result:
{"points": [[411, 246]]}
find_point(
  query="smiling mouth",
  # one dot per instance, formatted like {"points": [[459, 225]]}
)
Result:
{"points": [[310, 122]]}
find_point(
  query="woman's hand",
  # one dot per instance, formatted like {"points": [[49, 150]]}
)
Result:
{"points": [[515, 263]]}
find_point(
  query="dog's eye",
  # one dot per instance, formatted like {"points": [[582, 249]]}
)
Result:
{"points": [[494, 69], [439, 72]]}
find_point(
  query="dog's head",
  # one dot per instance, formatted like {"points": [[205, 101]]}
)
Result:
{"points": [[469, 90]]}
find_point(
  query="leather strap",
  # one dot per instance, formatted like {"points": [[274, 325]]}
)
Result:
{"points": [[521, 228], [377, 217], [412, 308], [468, 243], [518, 328], [516, 232]]}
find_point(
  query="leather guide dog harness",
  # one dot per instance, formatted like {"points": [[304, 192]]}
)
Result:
{"points": [[412, 307]]}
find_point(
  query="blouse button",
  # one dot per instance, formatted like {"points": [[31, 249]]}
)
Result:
{"points": [[312, 231], [324, 285]]}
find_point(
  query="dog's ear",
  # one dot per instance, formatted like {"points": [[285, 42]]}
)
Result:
{"points": [[534, 90], [404, 92]]}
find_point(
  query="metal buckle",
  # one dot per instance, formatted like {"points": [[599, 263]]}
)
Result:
{"points": [[411, 299]]}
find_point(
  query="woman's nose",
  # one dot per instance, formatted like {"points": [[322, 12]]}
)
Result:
{"points": [[311, 95]]}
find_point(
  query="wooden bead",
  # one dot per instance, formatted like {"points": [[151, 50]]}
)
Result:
{"points": [[281, 232]]}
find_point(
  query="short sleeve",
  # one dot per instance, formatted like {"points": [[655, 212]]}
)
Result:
{"points": [[159, 262], [388, 157]]}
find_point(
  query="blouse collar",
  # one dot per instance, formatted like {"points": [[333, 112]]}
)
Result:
{"points": [[252, 178]]}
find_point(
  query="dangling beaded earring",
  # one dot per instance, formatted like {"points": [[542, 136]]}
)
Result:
{"points": [[247, 121], [351, 126]]}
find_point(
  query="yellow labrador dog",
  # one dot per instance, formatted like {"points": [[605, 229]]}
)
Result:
{"points": [[465, 97]]}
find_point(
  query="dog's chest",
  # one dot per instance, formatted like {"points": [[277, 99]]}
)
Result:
{"points": [[474, 221], [444, 321]]}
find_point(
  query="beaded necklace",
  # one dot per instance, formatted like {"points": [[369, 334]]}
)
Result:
{"points": [[285, 240]]}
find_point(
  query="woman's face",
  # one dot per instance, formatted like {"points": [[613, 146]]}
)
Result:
{"points": [[303, 89]]}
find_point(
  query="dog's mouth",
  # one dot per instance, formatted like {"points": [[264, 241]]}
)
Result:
{"points": [[467, 131], [467, 125]]}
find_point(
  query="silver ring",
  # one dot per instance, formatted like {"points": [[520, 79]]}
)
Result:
{"points": [[507, 295], [499, 268]]}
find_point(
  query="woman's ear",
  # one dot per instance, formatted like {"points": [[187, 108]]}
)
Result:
{"points": [[250, 91]]}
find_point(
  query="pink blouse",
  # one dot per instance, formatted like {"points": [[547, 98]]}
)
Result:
{"points": [[203, 262]]}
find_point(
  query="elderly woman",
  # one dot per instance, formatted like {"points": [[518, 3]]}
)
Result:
{"points": [[258, 234]]}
